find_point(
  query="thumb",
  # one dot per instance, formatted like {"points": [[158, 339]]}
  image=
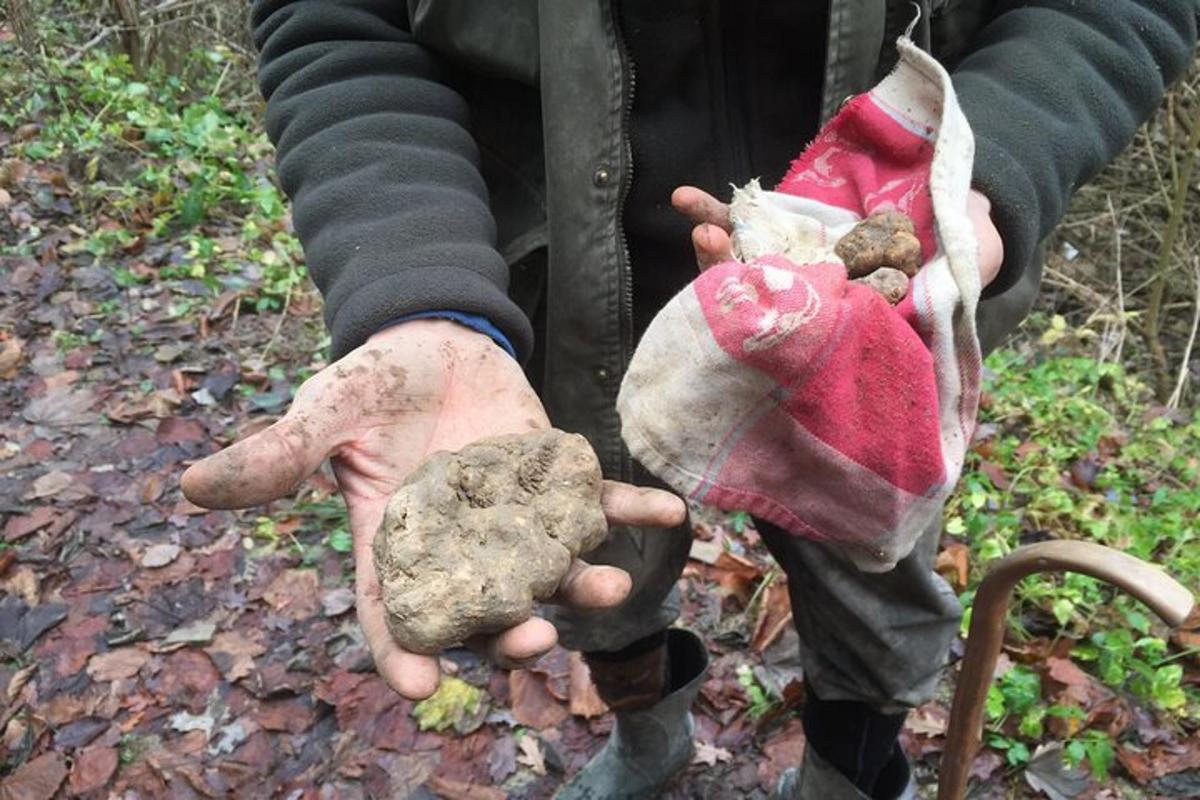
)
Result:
{"points": [[260, 468]]}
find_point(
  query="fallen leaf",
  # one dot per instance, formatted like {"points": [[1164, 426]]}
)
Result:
{"points": [[584, 699], [38, 779], [531, 702], [931, 719], [706, 552], [124, 662], [337, 601], [1160, 760], [49, 485], [953, 564], [774, 615], [196, 632], [458, 790], [531, 754], [1047, 773], [985, 765], [62, 407], [21, 625], [455, 705], [94, 767], [79, 732], [293, 714], [783, 751], [19, 679], [737, 575], [10, 349], [502, 758], [167, 353], [20, 527], [996, 474], [160, 555], [23, 584], [294, 593], [184, 721], [177, 430], [709, 755], [234, 652]]}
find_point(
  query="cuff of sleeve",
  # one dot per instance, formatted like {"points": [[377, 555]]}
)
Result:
{"points": [[354, 319], [475, 322]]}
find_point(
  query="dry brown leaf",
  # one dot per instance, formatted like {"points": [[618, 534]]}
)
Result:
{"points": [[94, 767], [736, 575], [457, 790], [48, 485], [532, 704], [774, 615], [124, 662], [38, 779], [954, 564], [20, 527], [234, 652], [1161, 759], [295, 593], [584, 700], [10, 349]]}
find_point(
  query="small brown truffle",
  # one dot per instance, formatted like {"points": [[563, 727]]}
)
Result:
{"points": [[891, 283], [886, 239], [473, 538]]}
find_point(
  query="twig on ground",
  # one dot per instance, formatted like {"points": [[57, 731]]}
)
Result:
{"points": [[1116, 223], [287, 301], [1177, 395]]}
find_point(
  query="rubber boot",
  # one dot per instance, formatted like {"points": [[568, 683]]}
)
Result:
{"points": [[649, 745], [817, 779]]}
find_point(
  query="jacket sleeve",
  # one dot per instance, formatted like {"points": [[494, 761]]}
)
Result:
{"points": [[374, 150], [1054, 90]]}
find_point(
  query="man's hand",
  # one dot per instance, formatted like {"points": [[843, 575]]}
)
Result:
{"points": [[409, 391], [711, 236]]}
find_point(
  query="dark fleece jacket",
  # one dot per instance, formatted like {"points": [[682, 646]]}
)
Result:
{"points": [[374, 147]]}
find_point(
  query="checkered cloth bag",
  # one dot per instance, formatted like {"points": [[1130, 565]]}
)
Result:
{"points": [[775, 385]]}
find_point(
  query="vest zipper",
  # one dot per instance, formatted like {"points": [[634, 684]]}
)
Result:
{"points": [[625, 266]]}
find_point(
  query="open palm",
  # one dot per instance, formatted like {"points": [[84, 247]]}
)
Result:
{"points": [[409, 391]]}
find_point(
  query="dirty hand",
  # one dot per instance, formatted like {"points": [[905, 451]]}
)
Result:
{"points": [[711, 236], [409, 391]]}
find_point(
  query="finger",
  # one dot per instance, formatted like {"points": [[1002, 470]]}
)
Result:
{"points": [[991, 246], [412, 675], [521, 645], [260, 468], [713, 246], [701, 207], [625, 504], [592, 587]]}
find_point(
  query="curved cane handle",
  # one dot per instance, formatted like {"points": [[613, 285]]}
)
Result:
{"points": [[1147, 582]]}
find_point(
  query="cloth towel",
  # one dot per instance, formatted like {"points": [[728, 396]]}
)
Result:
{"points": [[773, 384]]}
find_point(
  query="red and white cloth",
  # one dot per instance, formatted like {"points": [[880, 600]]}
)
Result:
{"points": [[774, 385]]}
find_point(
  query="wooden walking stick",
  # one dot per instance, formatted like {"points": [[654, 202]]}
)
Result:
{"points": [[1148, 583]]}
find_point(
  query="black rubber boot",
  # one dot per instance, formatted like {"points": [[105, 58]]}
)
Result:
{"points": [[648, 746], [817, 779]]}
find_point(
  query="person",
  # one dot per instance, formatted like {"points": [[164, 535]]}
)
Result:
{"points": [[484, 192]]}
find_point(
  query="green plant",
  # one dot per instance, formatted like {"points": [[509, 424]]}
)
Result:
{"points": [[761, 701]]}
